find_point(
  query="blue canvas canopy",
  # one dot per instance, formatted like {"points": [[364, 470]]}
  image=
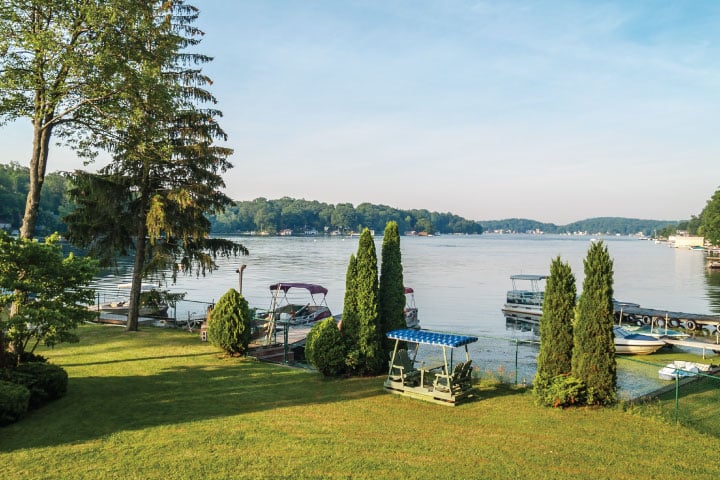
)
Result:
{"points": [[429, 337]]}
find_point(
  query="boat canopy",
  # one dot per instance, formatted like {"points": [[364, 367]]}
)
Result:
{"points": [[428, 337], [526, 276], [313, 289]]}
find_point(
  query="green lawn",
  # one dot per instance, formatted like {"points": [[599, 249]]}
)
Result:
{"points": [[161, 404]]}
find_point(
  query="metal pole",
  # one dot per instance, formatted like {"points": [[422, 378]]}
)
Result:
{"points": [[239, 271], [517, 345], [677, 394]]}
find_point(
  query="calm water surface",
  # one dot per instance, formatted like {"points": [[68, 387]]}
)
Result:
{"points": [[459, 281]]}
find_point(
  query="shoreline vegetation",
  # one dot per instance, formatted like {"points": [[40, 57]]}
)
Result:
{"points": [[161, 404], [299, 217]]}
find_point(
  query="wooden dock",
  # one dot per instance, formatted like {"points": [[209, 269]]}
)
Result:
{"points": [[635, 314], [704, 346]]}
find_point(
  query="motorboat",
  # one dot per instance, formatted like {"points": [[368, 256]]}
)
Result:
{"points": [[411, 311], [682, 369], [525, 303], [151, 302], [631, 343], [657, 332]]}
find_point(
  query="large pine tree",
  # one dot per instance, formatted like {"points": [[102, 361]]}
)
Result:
{"points": [[166, 173], [391, 296], [556, 330], [593, 360]]}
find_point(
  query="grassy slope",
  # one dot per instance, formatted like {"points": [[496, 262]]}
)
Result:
{"points": [[161, 404]]}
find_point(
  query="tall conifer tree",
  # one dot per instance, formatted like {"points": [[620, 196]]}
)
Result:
{"points": [[391, 296], [593, 360], [349, 316], [556, 330], [166, 174], [371, 353]]}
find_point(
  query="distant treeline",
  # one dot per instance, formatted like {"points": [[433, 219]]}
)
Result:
{"points": [[274, 216], [300, 216], [14, 185], [604, 225]]}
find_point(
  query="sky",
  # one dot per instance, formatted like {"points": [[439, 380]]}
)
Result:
{"points": [[555, 111]]}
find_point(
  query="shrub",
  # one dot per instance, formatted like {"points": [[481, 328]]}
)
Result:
{"points": [[325, 348], [229, 323], [46, 382], [14, 401], [561, 391]]}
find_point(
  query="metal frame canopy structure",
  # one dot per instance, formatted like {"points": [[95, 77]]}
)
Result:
{"points": [[442, 383]]}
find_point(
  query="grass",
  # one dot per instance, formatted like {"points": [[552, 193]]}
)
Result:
{"points": [[161, 404]]}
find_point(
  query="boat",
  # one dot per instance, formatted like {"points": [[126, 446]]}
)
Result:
{"points": [[630, 343], [525, 303], [657, 332], [286, 311], [411, 311], [151, 303], [682, 369]]}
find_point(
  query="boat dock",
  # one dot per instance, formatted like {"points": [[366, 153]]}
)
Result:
{"points": [[635, 314]]}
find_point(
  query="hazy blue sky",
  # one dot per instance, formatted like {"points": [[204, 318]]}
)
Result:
{"points": [[550, 110]]}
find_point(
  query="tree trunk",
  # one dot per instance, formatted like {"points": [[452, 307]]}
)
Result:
{"points": [[38, 164], [138, 265]]}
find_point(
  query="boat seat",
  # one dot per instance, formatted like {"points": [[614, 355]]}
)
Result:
{"points": [[403, 369]]}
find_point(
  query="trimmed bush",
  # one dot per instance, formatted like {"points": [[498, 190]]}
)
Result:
{"points": [[14, 401], [229, 324], [562, 391], [325, 348], [46, 382]]}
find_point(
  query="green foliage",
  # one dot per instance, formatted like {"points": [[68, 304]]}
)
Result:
{"points": [[560, 391], [373, 358], [325, 348], [165, 177], [48, 292], [229, 324], [14, 185], [607, 225], [593, 360], [46, 382], [350, 324], [391, 294], [556, 331], [710, 219], [14, 401], [274, 215]]}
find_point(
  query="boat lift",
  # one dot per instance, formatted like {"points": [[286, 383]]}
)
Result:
{"points": [[446, 383]]}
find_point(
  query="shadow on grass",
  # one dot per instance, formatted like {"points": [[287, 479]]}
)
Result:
{"points": [[141, 359], [96, 407]]}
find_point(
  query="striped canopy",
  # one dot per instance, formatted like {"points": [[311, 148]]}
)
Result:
{"points": [[429, 337]]}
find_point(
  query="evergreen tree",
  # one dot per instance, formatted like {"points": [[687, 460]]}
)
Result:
{"points": [[556, 330], [152, 199], [372, 357], [391, 295], [350, 322], [325, 349], [593, 360], [229, 323]]}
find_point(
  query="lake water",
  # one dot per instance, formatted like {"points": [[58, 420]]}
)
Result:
{"points": [[460, 282]]}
